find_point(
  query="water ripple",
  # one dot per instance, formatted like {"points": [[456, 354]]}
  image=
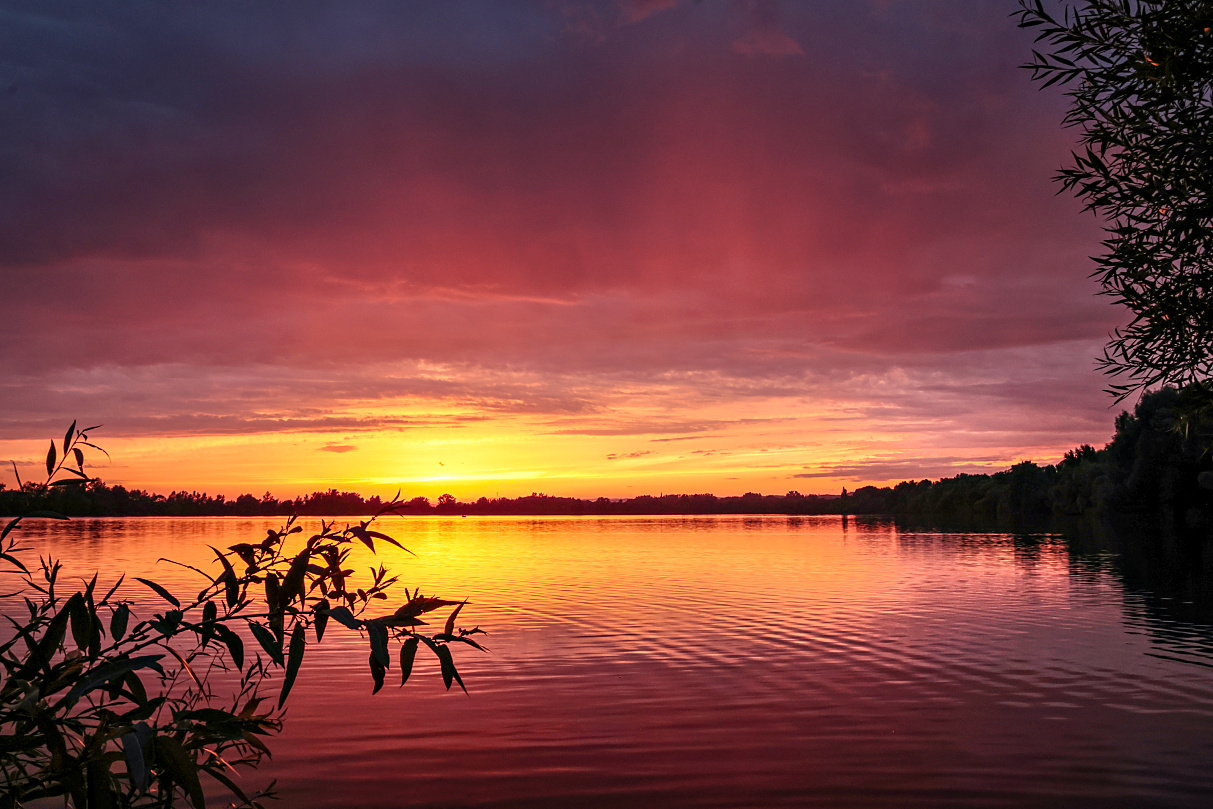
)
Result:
{"points": [[726, 662]]}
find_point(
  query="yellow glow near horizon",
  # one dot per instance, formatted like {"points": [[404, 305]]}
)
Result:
{"points": [[469, 454]]}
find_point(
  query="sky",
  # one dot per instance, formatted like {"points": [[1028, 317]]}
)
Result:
{"points": [[579, 247]]}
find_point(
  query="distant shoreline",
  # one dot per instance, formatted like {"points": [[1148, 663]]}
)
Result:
{"points": [[1149, 470], [98, 500]]}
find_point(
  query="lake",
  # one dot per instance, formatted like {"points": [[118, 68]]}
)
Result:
{"points": [[740, 662]]}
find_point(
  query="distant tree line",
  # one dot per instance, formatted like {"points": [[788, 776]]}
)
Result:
{"points": [[1157, 465], [95, 499]]}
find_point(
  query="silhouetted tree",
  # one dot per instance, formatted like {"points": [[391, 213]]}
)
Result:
{"points": [[1139, 75]]}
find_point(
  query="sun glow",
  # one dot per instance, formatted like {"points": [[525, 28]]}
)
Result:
{"points": [[641, 445]]}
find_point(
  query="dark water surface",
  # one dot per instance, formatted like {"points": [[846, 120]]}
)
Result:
{"points": [[741, 661]]}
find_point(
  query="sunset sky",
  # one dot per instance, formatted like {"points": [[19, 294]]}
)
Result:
{"points": [[582, 247]]}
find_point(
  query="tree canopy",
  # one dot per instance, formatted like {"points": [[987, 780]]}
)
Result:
{"points": [[1139, 75]]}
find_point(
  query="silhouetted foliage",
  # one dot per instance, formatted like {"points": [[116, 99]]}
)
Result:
{"points": [[1139, 75], [1157, 466], [105, 707]]}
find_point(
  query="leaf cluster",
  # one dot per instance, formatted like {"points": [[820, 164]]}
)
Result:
{"points": [[107, 705], [1139, 74]]}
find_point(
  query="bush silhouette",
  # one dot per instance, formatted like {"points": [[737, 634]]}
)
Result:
{"points": [[108, 707]]}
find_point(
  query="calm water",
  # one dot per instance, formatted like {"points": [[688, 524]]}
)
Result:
{"points": [[735, 662]]}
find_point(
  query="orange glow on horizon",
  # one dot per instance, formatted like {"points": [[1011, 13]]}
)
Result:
{"points": [[781, 446]]}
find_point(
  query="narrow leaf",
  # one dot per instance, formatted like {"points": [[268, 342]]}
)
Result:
{"points": [[450, 622], [114, 589], [268, 642], [448, 667], [272, 592], [321, 613], [250, 707], [184, 663], [229, 578], [103, 674], [182, 767], [235, 646], [212, 716], [408, 653], [343, 616], [160, 591], [135, 686], [50, 460], [118, 622], [55, 632], [293, 661], [94, 446], [14, 561], [207, 631], [11, 524], [362, 535], [132, 749], [220, 776], [387, 538], [419, 604], [460, 639], [67, 438], [255, 742], [378, 636], [244, 551], [81, 621], [392, 620], [292, 585], [378, 672]]}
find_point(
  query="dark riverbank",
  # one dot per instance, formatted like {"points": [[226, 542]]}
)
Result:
{"points": [[1157, 470]]}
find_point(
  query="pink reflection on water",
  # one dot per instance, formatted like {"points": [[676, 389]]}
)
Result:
{"points": [[728, 662]]}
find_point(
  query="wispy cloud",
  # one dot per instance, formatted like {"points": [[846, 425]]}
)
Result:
{"points": [[905, 468], [623, 455], [637, 10]]}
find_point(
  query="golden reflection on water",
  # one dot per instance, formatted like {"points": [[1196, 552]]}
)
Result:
{"points": [[729, 661]]}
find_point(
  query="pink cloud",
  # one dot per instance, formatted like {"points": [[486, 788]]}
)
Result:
{"points": [[767, 42], [637, 10]]}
